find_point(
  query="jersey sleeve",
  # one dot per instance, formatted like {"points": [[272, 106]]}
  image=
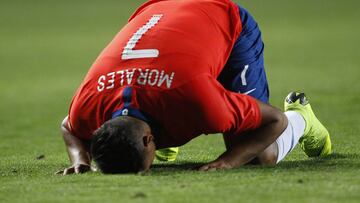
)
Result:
{"points": [[79, 128], [225, 111], [246, 112], [81, 121]]}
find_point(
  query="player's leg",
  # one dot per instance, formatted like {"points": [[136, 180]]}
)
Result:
{"points": [[245, 73], [316, 139], [285, 143], [270, 124], [301, 126], [304, 128], [267, 157]]}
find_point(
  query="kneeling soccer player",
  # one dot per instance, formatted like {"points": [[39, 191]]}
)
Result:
{"points": [[244, 71], [155, 86]]}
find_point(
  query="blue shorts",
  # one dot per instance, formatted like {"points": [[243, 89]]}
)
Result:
{"points": [[244, 71]]}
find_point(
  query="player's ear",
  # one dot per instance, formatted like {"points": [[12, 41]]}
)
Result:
{"points": [[147, 139]]}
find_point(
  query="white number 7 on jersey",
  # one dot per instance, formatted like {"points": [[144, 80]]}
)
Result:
{"points": [[130, 53]]}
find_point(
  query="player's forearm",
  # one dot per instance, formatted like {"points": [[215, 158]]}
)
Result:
{"points": [[247, 148], [242, 149], [250, 147], [77, 149]]}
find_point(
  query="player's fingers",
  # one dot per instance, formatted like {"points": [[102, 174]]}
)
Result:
{"points": [[205, 167], [68, 171], [59, 172], [215, 166], [212, 169], [202, 168], [223, 166]]}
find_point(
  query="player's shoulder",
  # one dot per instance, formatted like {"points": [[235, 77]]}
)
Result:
{"points": [[142, 8], [191, 4]]}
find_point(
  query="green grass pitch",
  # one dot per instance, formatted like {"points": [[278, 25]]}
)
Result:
{"points": [[47, 46]]}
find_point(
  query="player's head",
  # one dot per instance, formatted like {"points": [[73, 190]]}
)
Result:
{"points": [[123, 145]]}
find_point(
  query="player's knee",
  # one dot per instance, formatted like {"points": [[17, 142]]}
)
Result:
{"points": [[268, 161], [269, 156]]}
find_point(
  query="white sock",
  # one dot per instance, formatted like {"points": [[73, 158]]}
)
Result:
{"points": [[290, 137]]}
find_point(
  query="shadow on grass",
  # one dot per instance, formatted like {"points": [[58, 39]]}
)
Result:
{"points": [[178, 166], [334, 161]]}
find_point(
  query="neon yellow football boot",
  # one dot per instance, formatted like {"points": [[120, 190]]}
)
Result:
{"points": [[167, 154], [316, 139]]}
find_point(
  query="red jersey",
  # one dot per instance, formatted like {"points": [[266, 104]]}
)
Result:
{"points": [[162, 68]]}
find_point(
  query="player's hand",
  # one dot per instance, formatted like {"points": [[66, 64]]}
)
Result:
{"points": [[215, 165], [76, 169]]}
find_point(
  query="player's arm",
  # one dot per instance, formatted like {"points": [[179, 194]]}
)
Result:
{"points": [[244, 149], [78, 152]]}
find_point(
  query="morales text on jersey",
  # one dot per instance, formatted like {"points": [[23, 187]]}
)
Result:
{"points": [[131, 76]]}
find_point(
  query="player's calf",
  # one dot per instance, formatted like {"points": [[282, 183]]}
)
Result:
{"points": [[268, 157]]}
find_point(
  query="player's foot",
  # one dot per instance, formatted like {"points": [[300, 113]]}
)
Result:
{"points": [[167, 154], [316, 139]]}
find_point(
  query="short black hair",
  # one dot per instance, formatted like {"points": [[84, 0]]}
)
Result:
{"points": [[116, 147]]}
